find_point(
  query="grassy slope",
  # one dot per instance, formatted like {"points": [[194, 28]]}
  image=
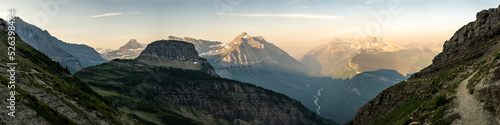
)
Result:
{"points": [[123, 80], [431, 93], [49, 71]]}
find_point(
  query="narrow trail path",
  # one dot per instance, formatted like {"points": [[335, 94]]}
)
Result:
{"points": [[471, 110]]}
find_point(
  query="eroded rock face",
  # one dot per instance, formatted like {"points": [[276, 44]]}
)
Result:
{"points": [[486, 26], [171, 50], [489, 90], [473, 49], [227, 100], [176, 54]]}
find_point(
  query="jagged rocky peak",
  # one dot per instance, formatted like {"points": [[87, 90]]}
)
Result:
{"points": [[486, 25], [256, 42], [176, 54], [132, 44]]}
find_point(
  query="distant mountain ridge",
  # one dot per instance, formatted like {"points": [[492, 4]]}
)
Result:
{"points": [[132, 44], [346, 58], [202, 46], [74, 56], [130, 50]]}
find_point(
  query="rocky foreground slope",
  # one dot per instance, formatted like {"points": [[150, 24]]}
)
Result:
{"points": [[147, 88], [470, 62], [46, 93]]}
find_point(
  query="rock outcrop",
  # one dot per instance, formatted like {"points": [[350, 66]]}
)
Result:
{"points": [[175, 54], [485, 27]]}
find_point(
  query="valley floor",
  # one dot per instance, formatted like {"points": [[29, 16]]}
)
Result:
{"points": [[471, 110]]}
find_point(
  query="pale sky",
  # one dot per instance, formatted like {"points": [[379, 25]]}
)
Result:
{"points": [[293, 25]]}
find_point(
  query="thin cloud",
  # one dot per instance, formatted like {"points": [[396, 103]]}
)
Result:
{"points": [[105, 15], [370, 1], [354, 7], [300, 7], [304, 7], [134, 12], [288, 15]]}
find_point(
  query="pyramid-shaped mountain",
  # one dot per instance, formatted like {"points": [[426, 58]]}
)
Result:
{"points": [[130, 50]]}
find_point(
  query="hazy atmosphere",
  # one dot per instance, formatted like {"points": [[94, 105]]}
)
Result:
{"points": [[250, 62], [293, 25]]}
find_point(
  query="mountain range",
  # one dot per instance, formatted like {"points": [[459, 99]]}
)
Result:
{"points": [[460, 86], [72, 56], [254, 60], [169, 76], [134, 92], [360, 69], [346, 58]]}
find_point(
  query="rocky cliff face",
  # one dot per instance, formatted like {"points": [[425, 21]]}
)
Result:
{"points": [[204, 96], [73, 56], [346, 58], [459, 87], [47, 93], [42, 41], [128, 51], [176, 54], [171, 50]]}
